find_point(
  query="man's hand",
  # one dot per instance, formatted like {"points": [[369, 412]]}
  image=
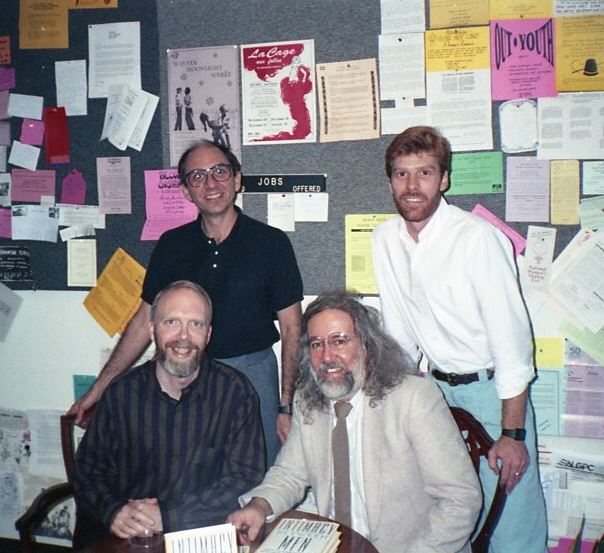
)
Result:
{"points": [[284, 423], [249, 520], [87, 401], [131, 345], [514, 459], [138, 517], [509, 457]]}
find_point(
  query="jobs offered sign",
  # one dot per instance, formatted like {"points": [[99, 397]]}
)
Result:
{"points": [[283, 183]]}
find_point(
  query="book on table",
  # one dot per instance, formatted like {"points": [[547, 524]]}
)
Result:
{"points": [[220, 538], [294, 535]]}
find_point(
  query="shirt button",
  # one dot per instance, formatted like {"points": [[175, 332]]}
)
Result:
{"points": [[216, 252], [215, 265]]}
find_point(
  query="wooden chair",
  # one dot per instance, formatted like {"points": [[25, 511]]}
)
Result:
{"points": [[479, 442], [52, 496]]}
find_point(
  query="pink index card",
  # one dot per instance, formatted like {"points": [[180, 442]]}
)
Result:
{"points": [[565, 545], [5, 49], [518, 241], [32, 132], [73, 188], [30, 186], [5, 223], [7, 78], [5, 133], [4, 96]]}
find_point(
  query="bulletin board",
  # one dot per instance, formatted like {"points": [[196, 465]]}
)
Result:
{"points": [[356, 182], [35, 75]]}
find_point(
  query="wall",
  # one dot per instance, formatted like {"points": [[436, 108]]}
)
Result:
{"points": [[355, 175], [53, 336]]}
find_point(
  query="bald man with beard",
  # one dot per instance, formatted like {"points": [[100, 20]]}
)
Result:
{"points": [[173, 442]]}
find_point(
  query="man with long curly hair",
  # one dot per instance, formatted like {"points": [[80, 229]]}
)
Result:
{"points": [[399, 428]]}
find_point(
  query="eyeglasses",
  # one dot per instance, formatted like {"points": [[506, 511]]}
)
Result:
{"points": [[338, 341], [198, 177]]}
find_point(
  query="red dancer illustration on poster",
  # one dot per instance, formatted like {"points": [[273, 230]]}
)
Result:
{"points": [[293, 89]]}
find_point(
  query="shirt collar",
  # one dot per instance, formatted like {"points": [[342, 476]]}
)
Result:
{"points": [[355, 401], [233, 230]]}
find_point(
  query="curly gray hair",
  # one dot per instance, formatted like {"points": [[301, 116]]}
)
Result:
{"points": [[386, 364]]}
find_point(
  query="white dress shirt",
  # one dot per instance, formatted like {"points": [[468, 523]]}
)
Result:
{"points": [[454, 296], [354, 427]]}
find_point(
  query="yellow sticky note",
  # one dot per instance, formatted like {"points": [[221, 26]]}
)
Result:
{"points": [[549, 352]]}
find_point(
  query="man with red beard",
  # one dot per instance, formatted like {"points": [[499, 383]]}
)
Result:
{"points": [[173, 442], [449, 291], [399, 430]]}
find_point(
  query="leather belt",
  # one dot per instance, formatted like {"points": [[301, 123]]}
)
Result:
{"points": [[454, 379]]}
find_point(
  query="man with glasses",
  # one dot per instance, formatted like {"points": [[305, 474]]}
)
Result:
{"points": [[249, 270], [409, 484]]}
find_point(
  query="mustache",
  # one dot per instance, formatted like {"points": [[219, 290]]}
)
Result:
{"points": [[181, 344], [324, 367], [412, 195]]}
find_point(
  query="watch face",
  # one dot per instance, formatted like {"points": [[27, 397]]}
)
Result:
{"points": [[521, 433], [285, 409]]}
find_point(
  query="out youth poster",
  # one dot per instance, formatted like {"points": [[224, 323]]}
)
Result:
{"points": [[203, 89], [522, 59], [278, 92]]}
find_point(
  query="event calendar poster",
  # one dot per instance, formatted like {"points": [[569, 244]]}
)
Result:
{"points": [[203, 91], [278, 92]]}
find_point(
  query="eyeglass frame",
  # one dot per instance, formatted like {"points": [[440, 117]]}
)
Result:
{"points": [[330, 341], [209, 171]]}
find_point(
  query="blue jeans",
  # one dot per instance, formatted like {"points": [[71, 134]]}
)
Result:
{"points": [[522, 527], [262, 371]]}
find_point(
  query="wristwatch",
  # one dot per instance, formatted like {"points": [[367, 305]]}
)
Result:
{"points": [[285, 409], [515, 433]]}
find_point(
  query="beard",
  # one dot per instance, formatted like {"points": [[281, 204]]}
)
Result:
{"points": [[337, 387], [416, 213], [180, 368]]}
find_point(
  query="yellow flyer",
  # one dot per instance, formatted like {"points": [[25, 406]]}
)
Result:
{"points": [[43, 24], [90, 4], [359, 262], [520, 9], [457, 49], [444, 13], [579, 49], [116, 296], [564, 191]]}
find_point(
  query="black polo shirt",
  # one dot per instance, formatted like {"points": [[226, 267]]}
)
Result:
{"points": [[249, 276]]}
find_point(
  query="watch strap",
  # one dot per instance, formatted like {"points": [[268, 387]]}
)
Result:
{"points": [[285, 409], [518, 434]]}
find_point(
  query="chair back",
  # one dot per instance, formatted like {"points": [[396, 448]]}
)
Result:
{"points": [[479, 443], [69, 444], [27, 523]]}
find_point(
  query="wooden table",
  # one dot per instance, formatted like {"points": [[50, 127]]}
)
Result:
{"points": [[351, 542]]}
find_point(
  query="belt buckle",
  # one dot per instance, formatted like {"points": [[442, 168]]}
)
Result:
{"points": [[452, 379]]}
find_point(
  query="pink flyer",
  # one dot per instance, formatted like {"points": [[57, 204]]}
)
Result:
{"points": [[522, 59]]}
